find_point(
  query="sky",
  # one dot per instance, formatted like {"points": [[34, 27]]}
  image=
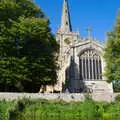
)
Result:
{"points": [[100, 15]]}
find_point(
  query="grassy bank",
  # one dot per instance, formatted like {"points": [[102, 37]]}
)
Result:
{"points": [[58, 110]]}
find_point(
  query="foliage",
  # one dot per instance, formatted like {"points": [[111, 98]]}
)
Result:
{"points": [[112, 53], [27, 47], [4, 109], [117, 98], [88, 96], [36, 109], [116, 86]]}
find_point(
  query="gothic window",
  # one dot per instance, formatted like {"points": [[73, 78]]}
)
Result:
{"points": [[90, 66]]}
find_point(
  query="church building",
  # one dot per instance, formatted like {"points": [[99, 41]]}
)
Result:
{"points": [[81, 62]]}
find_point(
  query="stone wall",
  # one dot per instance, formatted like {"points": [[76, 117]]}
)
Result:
{"points": [[61, 96]]}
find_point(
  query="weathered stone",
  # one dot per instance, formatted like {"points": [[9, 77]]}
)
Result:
{"points": [[81, 60], [108, 97]]}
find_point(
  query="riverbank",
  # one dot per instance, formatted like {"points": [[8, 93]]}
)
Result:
{"points": [[41, 109]]}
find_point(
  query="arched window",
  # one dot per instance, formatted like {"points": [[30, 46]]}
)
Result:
{"points": [[90, 65]]}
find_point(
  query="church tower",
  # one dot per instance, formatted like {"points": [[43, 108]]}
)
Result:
{"points": [[65, 35], [65, 21]]}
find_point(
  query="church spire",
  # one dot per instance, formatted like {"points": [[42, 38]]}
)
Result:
{"points": [[66, 22]]}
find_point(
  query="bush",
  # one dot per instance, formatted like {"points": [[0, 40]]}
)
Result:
{"points": [[88, 97], [117, 98], [116, 86]]}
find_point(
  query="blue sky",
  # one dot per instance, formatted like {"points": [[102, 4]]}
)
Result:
{"points": [[98, 14]]}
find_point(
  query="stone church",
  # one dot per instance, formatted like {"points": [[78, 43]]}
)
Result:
{"points": [[81, 62]]}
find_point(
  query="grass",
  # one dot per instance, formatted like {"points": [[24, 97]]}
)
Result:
{"points": [[4, 109], [39, 109]]}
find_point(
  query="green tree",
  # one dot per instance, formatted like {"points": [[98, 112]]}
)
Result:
{"points": [[112, 53], [27, 47]]}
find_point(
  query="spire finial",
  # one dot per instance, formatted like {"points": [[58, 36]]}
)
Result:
{"points": [[66, 22], [89, 30], [78, 31]]}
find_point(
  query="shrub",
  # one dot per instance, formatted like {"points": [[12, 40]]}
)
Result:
{"points": [[88, 97], [117, 98]]}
